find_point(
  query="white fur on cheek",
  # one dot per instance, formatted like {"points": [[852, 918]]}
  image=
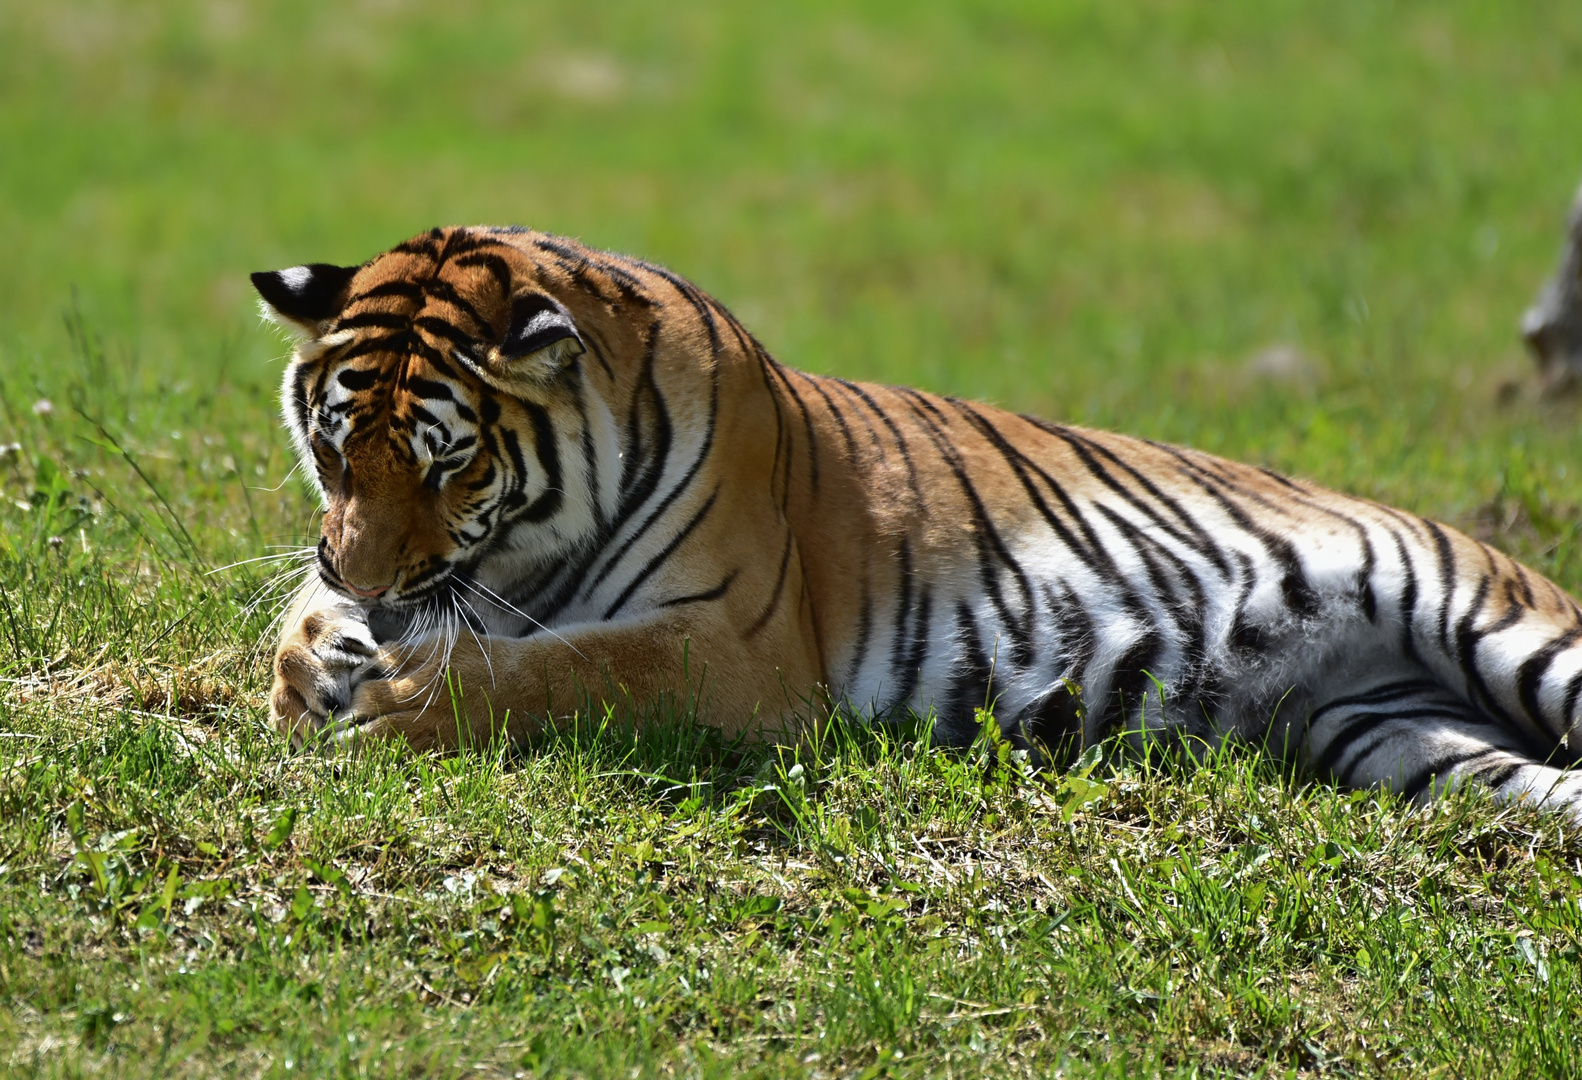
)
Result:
{"points": [[298, 429]]}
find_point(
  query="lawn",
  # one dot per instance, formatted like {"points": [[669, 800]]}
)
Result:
{"points": [[1295, 234]]}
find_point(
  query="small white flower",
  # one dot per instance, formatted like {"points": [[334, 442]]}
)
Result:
{"points": [[44, 407]]}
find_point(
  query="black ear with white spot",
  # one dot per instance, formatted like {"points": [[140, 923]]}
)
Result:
{"points": [[542, 338], [305, 296]]}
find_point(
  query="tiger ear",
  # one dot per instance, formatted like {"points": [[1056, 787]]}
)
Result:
{"points": [[304, 298], [541, 341]]}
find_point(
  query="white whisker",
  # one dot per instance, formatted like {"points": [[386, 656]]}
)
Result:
{"points": [[495, 598], [448, 635], [457, 598], [295, 465], [278, 556], [438, 635]]}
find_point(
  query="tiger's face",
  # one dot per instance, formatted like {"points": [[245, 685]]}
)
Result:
{"points": [[429, 400]]}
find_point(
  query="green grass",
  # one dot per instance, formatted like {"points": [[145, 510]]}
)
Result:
{"points": [[1101, 212]]}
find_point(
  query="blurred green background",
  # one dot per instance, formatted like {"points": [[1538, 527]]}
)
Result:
{"points": [[1296, 233], [1299, 234]]}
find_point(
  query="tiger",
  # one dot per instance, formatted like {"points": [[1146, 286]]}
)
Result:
{"points": [[551, 474]]}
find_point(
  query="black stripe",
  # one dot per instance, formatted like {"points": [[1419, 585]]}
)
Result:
{"points": [[444, 329], [548, 452], [675, 492], [1283, 481], [1150, 551], [1091, 553], [590, 453], [1204, 542], [1244, 634], [406, 290], [913, 670], [434, 567], [644, 455], [498, 268], [834, 412], [466, 241], [1370, 746], [782, 450], [1056, 720], [698, 598], [358, 379], [1129, 678], [1360, 722], [490, 408], [1185, 612], [1298, 594], [420, 245], [654, 563], [643, 464], [513, 450], [484, 482], [970, 684], [1529, 678], [399, 343], [1496, 776], [591, 278], [431, 354], [418, 410], [628, 284], [1467, 639], [1521, 580], [1370, 603], [701, 304], [988, 542], [1367, 599], [864, 629], [807, 421], [903, 614], [299, 398], [1568, 710], [774, 597], [1443, 768], [319, 377], [599, 348], [895, 433], [1408, 599], [381, 319], [1377, 696], [445, 292], [861, 414], [428, 388], [1447, 580]]}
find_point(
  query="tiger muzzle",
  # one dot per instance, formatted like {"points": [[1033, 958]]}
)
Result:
{"points": [[366, 543]]}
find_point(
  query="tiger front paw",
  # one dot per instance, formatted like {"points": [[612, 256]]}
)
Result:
{"points": [[319, 664], [417, 700], [431, 699]]}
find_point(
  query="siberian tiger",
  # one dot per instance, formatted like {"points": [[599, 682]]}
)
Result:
{"points": [[547, 470]]}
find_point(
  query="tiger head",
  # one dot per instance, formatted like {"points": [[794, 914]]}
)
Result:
{"points": [[436, 399]]}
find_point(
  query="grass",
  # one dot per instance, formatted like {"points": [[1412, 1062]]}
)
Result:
{"points": [[1295, 235]]}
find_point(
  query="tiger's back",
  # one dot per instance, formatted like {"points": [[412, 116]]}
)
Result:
{"points": [[654, 491]]}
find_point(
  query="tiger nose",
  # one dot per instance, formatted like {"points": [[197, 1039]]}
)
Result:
{"points": [[368, 594]]}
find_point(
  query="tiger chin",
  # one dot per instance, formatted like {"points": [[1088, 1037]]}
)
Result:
{"points": [[547, 470]]}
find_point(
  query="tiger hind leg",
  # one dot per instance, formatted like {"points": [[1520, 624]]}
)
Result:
{"points": [[1415, 737]]}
